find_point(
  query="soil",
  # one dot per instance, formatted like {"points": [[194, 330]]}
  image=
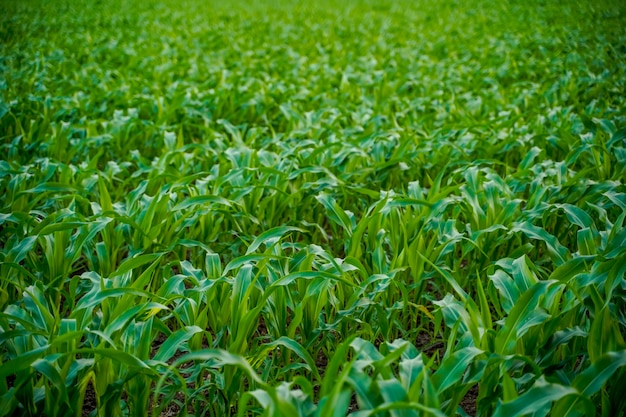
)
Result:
{"points": [[425, 345], [321, 362], [174, 409], [468, 403], [262, 328], [353, 404], [156, 344], [89, 403]]}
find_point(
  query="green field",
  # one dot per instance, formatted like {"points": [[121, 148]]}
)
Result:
{"points": [[313, 208]]}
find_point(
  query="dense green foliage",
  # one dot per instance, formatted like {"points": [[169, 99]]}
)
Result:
{"points": [[313, 208]]}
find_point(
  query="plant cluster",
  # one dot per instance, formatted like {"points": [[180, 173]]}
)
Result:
{"points": [[282, 208]]}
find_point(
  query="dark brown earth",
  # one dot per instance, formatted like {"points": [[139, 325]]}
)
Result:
{"points": [[468, 403], [262, 328], [89, 403], [425, 344], [174, 409]]}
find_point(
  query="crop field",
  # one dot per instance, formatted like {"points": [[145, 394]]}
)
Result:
{"points": [[313, 208]]}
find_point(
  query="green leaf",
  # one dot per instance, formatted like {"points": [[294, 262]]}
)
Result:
{"points": [[522, 275], [541, 394], [221, 357], [571, 268], [21, 362], [308, 275], [576, 215], [135, 262], [299, 350], [121, 357], [96, 298], [604, 335], [453, 367], [508, 290], [173, 342], [46, 368], [270, 237], [586, 242], [246, 259], [201, 201], [337, 214], [522, 312], [559, 252]]}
